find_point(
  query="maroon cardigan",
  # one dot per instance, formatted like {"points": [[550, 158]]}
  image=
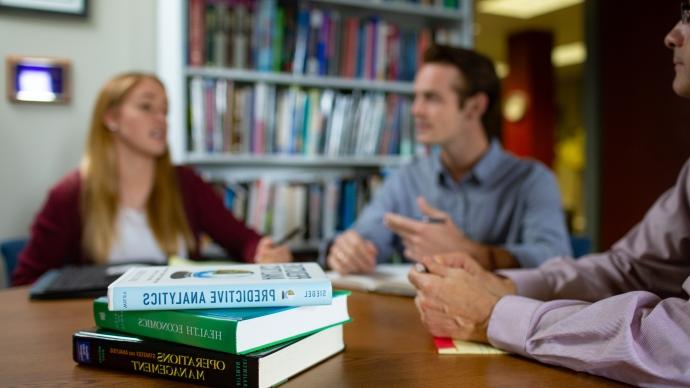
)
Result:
{"points": [[57, 230]]}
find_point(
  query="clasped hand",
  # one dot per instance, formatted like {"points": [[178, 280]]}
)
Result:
{"points": [[457, 296]]}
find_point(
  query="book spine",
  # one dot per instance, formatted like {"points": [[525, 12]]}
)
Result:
{"points": [[196, 32], [189, 329], [166, 360], [273, 294]]}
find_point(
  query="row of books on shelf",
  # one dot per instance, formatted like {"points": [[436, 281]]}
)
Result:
{"points": [[258, 346], [318, 208], [227, 117], [286, 36]]}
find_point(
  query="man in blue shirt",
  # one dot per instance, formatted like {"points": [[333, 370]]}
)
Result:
{"points": [[470, 195]]}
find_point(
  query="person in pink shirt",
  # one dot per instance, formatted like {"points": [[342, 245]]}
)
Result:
{"points": [[623, 314]]}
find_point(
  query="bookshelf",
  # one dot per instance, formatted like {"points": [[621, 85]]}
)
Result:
{"points": [[310, 81], [336, 66]]}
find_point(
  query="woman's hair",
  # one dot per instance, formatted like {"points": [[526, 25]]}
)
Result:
{"points": [[100, 184]]}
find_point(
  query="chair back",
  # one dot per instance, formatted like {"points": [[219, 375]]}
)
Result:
{"points": [[10, 250], [581, 245]]}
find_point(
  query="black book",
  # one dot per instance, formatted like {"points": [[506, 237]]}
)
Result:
{"points": [[265, 368]]}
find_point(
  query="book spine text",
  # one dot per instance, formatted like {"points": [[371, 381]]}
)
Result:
{"points": [[188, 329], [166, 360], [219, 296]]}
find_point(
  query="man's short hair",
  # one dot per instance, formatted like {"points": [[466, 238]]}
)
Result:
{"points": [[479, 75]]}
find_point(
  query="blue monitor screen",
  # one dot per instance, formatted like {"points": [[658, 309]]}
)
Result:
{"points": [[39, 82]]}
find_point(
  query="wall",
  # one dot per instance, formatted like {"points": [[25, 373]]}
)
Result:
{"points": [[645, 134], [40, 143]]}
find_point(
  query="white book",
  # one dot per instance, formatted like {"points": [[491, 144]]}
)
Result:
{"points": [[357, 128], [265, 190], [196, 91], [288, 119], [219, 286], [220, 112], [377, 122], [330, 207], [315, 121], [298, 209], [277, 367], [387, 279], [270, 128], [282, 121], [280, 209], [260, 114]]}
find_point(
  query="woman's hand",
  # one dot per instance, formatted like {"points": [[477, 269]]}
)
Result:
{"points": [[267, 252]]}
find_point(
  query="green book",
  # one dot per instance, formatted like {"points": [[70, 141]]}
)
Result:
{"points": [[236, 331]]}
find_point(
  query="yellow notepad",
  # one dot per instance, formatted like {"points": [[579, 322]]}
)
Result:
{"points": [[446, 345]]}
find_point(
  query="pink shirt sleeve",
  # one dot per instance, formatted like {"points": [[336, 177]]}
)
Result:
{"points": [[633, 337], [622, 314]]}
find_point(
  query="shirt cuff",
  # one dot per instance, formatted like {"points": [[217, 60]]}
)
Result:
{"points": [[249, 250], [530, 283], [510, 323]]}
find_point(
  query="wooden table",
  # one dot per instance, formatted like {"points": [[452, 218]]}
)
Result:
{"points": [[386, 345]]}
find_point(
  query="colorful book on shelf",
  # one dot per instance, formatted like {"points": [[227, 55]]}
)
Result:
{"points": [[265, 368], [239, 26], [196, 33], [446, 345], [301, 41], [220, 286], [236, 331], [349, 46]]}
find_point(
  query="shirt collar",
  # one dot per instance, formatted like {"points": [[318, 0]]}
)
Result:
{"points": [[482, 171], [490, 163]]}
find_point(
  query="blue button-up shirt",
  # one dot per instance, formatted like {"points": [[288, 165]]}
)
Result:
{"points": [[503, 201]]}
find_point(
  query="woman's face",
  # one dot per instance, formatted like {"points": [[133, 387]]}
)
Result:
{"points": [[140, 123]]}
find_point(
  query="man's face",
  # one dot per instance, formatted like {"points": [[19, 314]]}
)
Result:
{"points": [[677, 40], [436, 108]]}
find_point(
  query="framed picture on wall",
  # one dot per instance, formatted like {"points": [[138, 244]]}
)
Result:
{"points": [[63, 7]]}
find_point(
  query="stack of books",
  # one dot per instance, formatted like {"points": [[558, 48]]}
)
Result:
{"points": [[248, 325]]}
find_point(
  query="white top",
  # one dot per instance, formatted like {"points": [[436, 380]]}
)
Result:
{"points": [[135, 240]]}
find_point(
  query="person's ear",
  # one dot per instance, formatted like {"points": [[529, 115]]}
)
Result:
{"points": [[110, 120], [477, 105]]}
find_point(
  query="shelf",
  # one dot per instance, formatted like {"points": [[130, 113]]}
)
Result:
{"points": [[436, 13], [290, 161], [172, 52], [315, 81]]}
